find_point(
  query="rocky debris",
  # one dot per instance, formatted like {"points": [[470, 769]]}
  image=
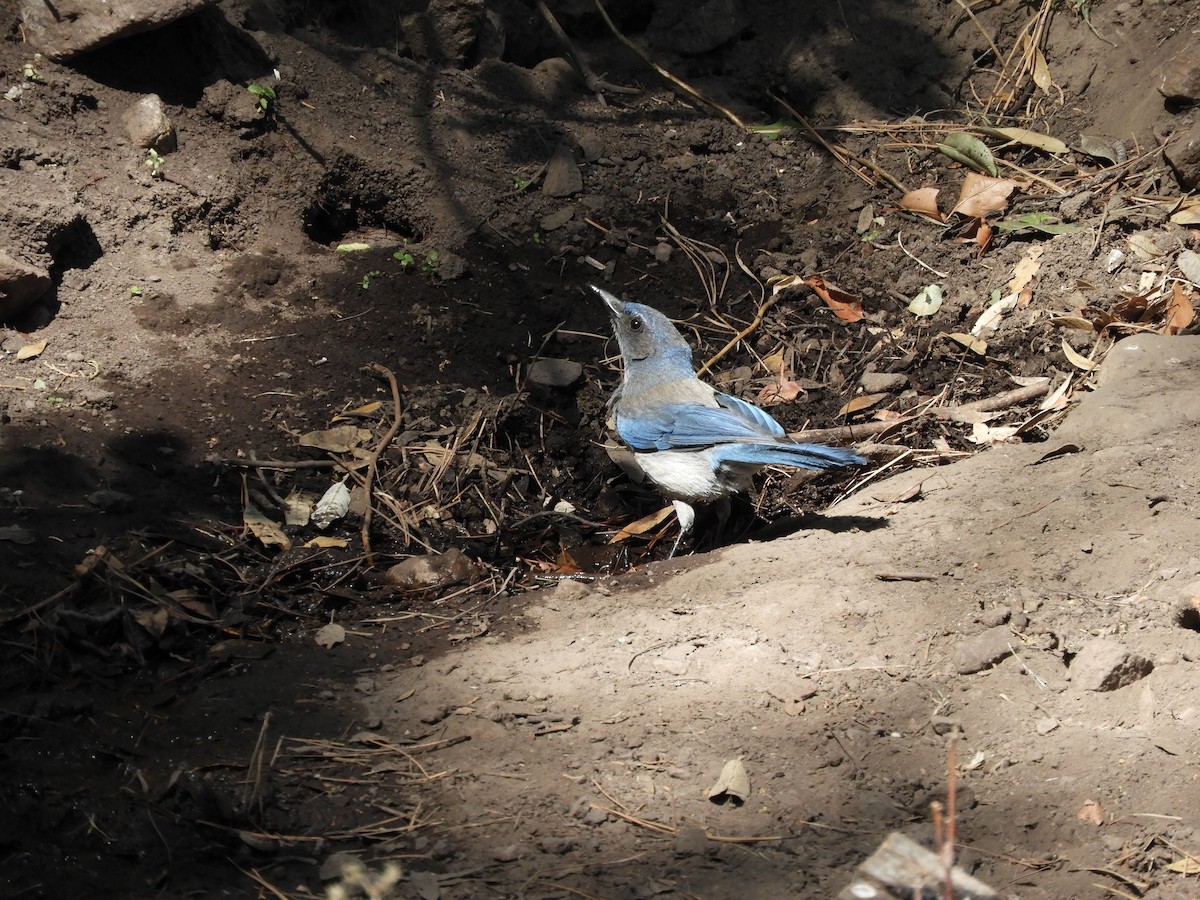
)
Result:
{"points": [[148, 126], [563, 177], [556, 219], [982, 651], [21, 285], [882, 382], [1181, 79], [554, 373], [1106, 665], [1183, 156], [704, 28], [66, 29], [420, 573], [448, 31], [234, 105]]}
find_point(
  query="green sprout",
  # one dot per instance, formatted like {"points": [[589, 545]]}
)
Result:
{"points": [[29, 70], [265, 94], [403, 257], [154, 163], [432, 259], [135, 291], [366, 279]]}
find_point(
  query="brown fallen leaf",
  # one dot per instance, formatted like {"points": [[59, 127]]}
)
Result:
{"points": [[858, 404], [339, 439], [1180, 312], [29, 351], [982, 194], [785, 390], [923, 201], [642, 525], [1091, 811], [845, 306], [267, 531]]}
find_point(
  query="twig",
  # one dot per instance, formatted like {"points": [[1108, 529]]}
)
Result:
{"points": [[741, 335], [678, 82], [838, 152], [253, 463], [397, 416], [595, 83]]}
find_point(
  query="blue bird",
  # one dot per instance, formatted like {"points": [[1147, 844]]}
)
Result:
{"points": [[694, 442]]}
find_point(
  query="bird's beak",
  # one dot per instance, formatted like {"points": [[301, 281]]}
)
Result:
{"points": [[615, 306]]}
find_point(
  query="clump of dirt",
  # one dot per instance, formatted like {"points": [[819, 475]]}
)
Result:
{"points": [[373, 274]]}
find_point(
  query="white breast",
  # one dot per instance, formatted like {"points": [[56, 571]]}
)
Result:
{"points": [[689, 475]]}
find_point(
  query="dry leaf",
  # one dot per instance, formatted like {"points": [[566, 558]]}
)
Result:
{"points": [[1075, 359], [989, 321], [1039, 70], [1028, 138], [785, 390], [339, 439], [923, 201], [1026, 269], [845, 306], [1091, 811], [330, 635], [270, 534], [29, 351], [1076, 322], [1188, 865], [927, 302], [732, 784], [1180, 313], [774, 362], [858, 404], [974, 344], [325, 542], [983, 236], [982, 194], [642, 525]]}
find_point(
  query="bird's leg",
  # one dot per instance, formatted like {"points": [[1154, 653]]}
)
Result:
{"points": [[687, 518]]}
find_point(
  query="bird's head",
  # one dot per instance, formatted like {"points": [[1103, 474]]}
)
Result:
{"points": [[646, 336]]}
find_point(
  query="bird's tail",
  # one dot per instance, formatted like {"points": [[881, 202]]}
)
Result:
{"points": [[803, 456]]}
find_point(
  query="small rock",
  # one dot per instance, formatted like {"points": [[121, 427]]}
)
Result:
{"points": [[1181, 78], [556, 845], [507, 853], [1189, 264], [982, 651], [690, 840], [592, 147], [1045, 726], [21, 284], [594, 817], [1072, 206], [1183, 156], [1106, 665], [563, 177], [570, 591], [147, 124], [554, 373], [556, 219], [662, 253], [455, 27], [110, 501], [882, 382], [420, 573]]}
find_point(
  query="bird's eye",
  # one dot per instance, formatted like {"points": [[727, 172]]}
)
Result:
{"points": [[635, 323]]}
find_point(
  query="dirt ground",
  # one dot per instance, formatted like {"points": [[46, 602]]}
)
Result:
{"points": [[199, 700]]}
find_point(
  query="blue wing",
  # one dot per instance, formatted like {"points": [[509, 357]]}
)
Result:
{"points": [[803, 456], [751, 412], [692, 425]]}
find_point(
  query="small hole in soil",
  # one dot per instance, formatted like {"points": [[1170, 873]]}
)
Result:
{"points": [[1188, 617]]}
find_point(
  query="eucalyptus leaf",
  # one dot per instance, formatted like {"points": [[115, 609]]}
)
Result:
{"points": [[927, 302], [1038, 221], [970, 151]]}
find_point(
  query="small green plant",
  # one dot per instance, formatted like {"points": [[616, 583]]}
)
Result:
{"points": [[265, 95], [403, 257], [366, 279], [519, 183], [154, 163], [135, 291], [537, 237], [432, 260]]}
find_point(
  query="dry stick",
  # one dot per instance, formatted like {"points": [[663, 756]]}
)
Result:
{"points": [[741, 335], [253, 463], [983, 31], [368, 486], [838, 152], [595, 84], [679, 83]]}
